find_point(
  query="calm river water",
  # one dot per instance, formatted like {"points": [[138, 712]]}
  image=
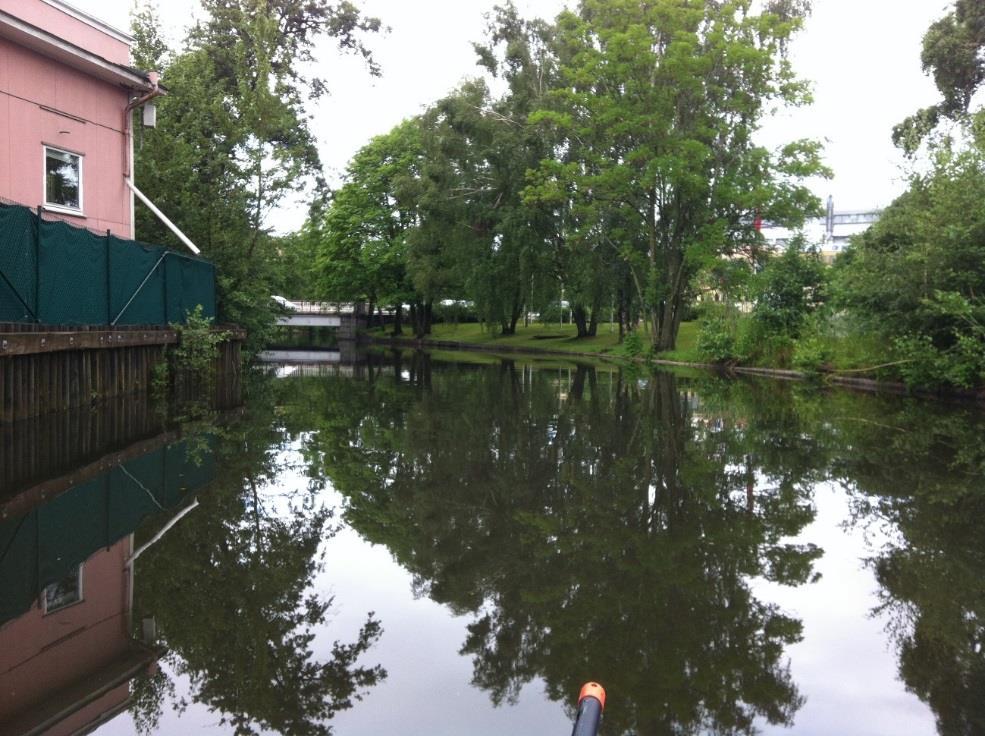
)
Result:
{"points": [[437, 544]]}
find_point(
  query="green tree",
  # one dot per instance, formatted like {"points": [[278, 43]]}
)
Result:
{"points": [[656, 110], [234, 138], [788, 289], [518, 267], [361, 242], [954, 54], [917, 276]]}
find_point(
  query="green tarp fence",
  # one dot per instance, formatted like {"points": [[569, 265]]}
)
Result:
{"points": [[54, 273], [51, 541]]}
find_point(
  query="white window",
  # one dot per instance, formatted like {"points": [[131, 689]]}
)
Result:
{"points": [[62, 180], [63, 593]]}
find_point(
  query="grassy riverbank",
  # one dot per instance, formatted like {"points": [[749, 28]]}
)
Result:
{"points": [[553, 337]]}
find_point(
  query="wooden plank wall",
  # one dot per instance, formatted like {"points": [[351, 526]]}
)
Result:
{"points": [[33, 450], [47, 369]]}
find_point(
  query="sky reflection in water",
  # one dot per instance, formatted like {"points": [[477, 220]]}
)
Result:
{"points": [[715, 553]]}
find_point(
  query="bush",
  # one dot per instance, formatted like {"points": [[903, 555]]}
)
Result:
{"points": [[187, 375], [920, 362], [632, 345], [716, 341], [811, 354], [456, 313], [926, 366]]}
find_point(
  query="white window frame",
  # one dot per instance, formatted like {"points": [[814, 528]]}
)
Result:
{"points": [[81, 590], [79, 212]]}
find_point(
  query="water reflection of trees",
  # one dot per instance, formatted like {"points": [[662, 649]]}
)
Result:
{"points": [[230, 588], [914, 470], [595, 526], [918, 470]]}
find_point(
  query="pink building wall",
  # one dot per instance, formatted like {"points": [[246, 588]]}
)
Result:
{"points": [[40, 654], [47, 102]]}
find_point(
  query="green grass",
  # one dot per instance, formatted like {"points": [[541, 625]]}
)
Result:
{"points": [[556, 337], [686, 350], [544, 337]]}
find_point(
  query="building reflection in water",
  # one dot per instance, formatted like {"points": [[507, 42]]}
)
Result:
{"points": [[68, 645]]}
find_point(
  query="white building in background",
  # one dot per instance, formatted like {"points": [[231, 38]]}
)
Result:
{"points": [[831, 233]]}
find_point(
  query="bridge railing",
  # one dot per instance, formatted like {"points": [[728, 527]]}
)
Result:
{"points": [[297, 306], [303, 307]]}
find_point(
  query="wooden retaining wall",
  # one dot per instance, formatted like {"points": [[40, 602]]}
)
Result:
{"points": [[46, 368], [34, 450]]}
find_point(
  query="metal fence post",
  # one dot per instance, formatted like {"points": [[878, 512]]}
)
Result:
{"points": [[109, 281], [37, 271], [165, 291]]}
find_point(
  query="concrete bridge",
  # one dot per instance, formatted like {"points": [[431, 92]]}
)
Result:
{"points": [[320, 314]]}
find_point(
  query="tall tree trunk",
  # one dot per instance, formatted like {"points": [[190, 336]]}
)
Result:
{"points": [[428, 317], [593, 325], [398, 321], [621, 315], [415, 319], [665, 329], [580, 319], [509, 326], [652, 243]]}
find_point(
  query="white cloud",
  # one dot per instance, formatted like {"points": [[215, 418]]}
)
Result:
{"points": [[863, 57]]}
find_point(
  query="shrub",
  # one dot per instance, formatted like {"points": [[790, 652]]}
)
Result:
{"points": [[811, 354], [187, 375], [632, 345], [716, 341]]}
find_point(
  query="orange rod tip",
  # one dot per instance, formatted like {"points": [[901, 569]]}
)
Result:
{"points": [[592, 689]]}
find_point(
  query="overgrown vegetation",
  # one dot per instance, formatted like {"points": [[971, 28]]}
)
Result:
{"points": [[185, 380], [906, 301]]}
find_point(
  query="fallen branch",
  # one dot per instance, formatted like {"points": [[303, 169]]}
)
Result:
{"points": [[874, 367]]}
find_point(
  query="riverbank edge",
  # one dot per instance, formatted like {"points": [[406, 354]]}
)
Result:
{"points": [[830, 379]]}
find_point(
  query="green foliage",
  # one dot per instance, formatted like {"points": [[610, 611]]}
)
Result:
{"points": [[916, 276], [788, 290], [617, 163], [954, 54], [811, 354], [717, 340], [653, 121], [455, 313], [756, 344], [924, 365], [632, 345], [198, 344], [234, 137], [360, 241], [186, 379]]}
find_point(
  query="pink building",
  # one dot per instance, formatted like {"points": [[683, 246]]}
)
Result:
{"points": [[66, 98], [66, 665]]}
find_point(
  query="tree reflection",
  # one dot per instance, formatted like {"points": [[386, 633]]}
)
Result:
{"points": [[932, 570], [230, 588], [596, 527]]}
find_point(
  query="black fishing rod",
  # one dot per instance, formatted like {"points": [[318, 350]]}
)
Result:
{"points": [[591, 703]]}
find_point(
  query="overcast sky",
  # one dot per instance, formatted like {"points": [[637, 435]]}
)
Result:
{"points": [[863, 57]]}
